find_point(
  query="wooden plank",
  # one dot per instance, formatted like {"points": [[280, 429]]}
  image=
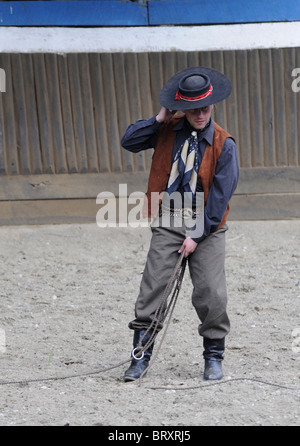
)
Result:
{"points": [[291, 100], [217, 62], [66, 111], [9, 120], [55, 111], [133, 80], [267, 104], [258, 181], [280, 107], [283, 180], [2, 140], [40, 212], [145, 98], [243, 109], [111, 115], [21, 115], [99, 113], [255, 109], [72, 13], [265, 207], [32, 115], [46, 187], [42, 94], [88, 113], [124, 102], [180, 12], [77, 112], [36, 212], [231, 72], [157, 78]]}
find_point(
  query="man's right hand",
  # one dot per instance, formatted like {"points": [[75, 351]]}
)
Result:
{"points": [[164, 115]]}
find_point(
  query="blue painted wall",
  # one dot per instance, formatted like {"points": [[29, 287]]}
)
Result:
{"points": [[222, 11], [73, 13], [144, 13]]}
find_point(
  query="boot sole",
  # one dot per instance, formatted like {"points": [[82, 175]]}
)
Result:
{"points": [[131, 378], [128, 379]]}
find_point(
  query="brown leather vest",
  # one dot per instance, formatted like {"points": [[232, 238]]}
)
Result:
{"points": [[162, 163]]}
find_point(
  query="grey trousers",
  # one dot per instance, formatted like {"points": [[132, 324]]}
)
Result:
{"points": [[206, 266]]}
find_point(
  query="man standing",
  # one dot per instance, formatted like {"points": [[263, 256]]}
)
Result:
{"points": [[193, 154]]}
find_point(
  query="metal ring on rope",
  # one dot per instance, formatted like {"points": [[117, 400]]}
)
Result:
{"points": [[140, 352]]}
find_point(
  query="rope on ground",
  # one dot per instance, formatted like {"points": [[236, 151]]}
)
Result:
{"points": [[226, 381], [183, 388], [58, 378], [160, 316]]}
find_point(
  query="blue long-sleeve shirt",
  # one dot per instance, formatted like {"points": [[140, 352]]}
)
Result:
{"points": [[143, 135]]}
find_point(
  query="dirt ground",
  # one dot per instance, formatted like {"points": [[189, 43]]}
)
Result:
{"points": [[68, 293]]}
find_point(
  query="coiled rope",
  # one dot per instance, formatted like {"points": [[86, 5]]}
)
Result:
{"points": [[164, 309]]}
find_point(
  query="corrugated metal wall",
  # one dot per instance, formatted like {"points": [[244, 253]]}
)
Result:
{"points": [[65, 114]]}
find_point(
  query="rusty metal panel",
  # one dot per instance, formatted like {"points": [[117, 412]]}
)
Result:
{"points": [[67, 113]]}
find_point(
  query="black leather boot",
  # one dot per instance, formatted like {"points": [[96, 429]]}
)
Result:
{"points": [[213, 356], [138, 366]]}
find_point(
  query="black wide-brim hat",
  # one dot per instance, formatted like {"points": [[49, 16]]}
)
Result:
{"points": [[195, 87]]}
